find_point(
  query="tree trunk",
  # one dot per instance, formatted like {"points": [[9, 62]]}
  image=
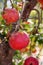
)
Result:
{"points": [[6, 54]]}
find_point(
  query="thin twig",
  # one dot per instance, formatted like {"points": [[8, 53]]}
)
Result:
{"points": [[29, 5], [11, 4], [4, 5]]}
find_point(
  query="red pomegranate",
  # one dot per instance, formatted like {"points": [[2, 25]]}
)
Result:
{"points": [[40, 1], [31, 61], [41, 7], [19, 40], [10, 15]]}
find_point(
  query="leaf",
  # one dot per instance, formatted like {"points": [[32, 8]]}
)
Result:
{"points": [[1, 17], [21, 63], [3, 22], [18, 0], [40, 40], [15, 5], [33, 14], [13, 63]]}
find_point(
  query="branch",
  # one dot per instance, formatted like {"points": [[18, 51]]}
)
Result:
{"points": [[35, 30], [6, 53], [4, 5], [11, 4], [29, 5]]}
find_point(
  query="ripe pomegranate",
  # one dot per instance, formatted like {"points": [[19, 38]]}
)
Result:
{"points": [[10, 15], [19, 40], [40, 1], [31, 61]]}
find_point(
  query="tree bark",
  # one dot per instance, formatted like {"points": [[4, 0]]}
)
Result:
{"points": [[6, 54], [29, 5]]}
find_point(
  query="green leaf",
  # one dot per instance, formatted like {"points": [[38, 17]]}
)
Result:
{"points": [[13, 63], [21, 63], [40, 40], [18, 0]]}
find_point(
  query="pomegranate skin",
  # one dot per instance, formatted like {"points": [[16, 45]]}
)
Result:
{"points": [[10, 15], [19, 40], [41, 4], [31, 61], [40, 1]]}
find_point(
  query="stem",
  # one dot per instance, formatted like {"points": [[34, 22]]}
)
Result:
{"points": [[39, 21], [11, 4], [41, 15], [30, 50], [4, 5], [39, 52]]}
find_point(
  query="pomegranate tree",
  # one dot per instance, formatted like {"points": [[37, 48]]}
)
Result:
{"points": [[21, 37]]}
